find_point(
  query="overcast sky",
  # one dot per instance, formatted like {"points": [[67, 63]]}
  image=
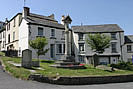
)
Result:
{"points": [[87, 12]]}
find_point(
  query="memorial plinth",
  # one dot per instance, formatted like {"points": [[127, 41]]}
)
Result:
{"points": [[69, 61]]}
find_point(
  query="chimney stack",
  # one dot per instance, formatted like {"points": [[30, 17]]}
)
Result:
{"points": [[51, 16], [6, 20], [26, 12], [63, 17]]}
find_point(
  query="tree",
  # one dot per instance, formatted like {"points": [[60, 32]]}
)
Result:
{"points": [[39, 44], [98, 43]]}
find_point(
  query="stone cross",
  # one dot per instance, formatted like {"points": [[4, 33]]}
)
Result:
{"points": [[67, 20]]}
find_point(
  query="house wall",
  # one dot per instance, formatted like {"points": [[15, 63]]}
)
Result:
{"points": [[2, 37], [108, 55], [32, 32], [10, 31], [2, 40], [23, 36], [128, 55]]}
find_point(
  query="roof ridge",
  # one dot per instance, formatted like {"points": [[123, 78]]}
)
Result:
{"points": [[128, 35], [93, 25]]}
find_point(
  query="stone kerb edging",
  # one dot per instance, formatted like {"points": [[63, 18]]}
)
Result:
{"points": [[83, 80]]}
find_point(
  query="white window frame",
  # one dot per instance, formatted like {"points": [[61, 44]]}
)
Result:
{"points": [[83, 47], [115, 51], [62, 48], [128, 48], [52, 32], [13, 36], [40, 29]]}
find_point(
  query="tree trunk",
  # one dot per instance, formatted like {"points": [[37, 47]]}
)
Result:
{"points": [[96, 59], [38, 59]]}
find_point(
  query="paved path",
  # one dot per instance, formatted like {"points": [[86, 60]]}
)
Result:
{"points": [[9, 82]]}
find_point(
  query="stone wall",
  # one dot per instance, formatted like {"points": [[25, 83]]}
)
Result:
{"points": [[83, 80]]}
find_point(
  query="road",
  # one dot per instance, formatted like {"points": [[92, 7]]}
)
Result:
{"points": [[9, 82]]}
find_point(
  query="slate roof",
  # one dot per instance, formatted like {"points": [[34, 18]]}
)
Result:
{"points": [[43, 20], [129, 39], [97, 28], [1, 22]]}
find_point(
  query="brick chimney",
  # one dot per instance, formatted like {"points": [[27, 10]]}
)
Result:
{"points": [[26, 11]]}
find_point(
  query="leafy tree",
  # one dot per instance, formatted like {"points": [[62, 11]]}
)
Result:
{"points": [[39, 44], [98, 43]]}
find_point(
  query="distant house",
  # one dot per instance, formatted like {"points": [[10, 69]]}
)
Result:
{"points": [[128, 48], [2, 36], [1, 24], [12, 37], [84, 53]]}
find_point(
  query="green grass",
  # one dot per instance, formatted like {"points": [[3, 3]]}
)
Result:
{"points": [[14, 59], [2, 54], [54, 72], [18, 72], [90, 71]]}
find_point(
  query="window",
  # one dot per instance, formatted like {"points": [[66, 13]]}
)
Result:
{"points": [[52, 50], [129, 48], [3, 34], [3, 44], [81, 59], [113, 36], [81, 35], [113, 45], [59, 48], [8, 38], [130, 59], [14, 22], [63, 33], [81, 47], [0, 35], [52, 32], [40, 31], [13, 36], [19, 51], [8, 26], [63, 48]]}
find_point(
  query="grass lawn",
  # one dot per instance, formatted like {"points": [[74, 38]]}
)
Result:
{"points": [[15, 71], [23, 73]]}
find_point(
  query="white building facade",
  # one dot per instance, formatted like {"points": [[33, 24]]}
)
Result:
{"points": [[33, 26]]}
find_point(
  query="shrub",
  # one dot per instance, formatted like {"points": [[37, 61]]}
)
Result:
{"points": [[123, 65]]}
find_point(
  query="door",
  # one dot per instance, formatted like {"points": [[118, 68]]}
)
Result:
{"points": [[52, 51]]}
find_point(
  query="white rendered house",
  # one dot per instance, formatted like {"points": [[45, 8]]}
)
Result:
{"points": [[33, 25]]}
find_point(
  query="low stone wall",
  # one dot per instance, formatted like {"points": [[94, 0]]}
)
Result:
{"points": [[83, 80]]}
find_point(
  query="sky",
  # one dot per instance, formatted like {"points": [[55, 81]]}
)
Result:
{"points": [[87, 12]]}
